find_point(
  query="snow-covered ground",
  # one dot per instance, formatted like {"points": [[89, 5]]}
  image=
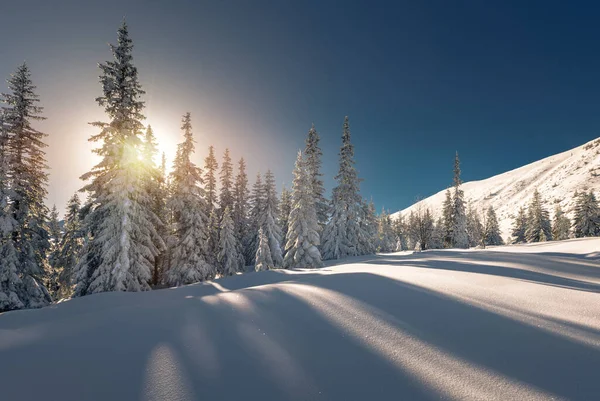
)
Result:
{"points": [[556, 178], [506, 323]]}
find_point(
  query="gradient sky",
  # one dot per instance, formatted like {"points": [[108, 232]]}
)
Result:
{"points": [[503, 83]]}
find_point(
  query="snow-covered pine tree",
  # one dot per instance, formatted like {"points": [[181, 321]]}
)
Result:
{"points": [[230, 257], [121, 228], [69, 248], [340, 236], [256, 202], [10, 282], [561, 225], [368, 229], [519, 227], [188, 205], [474, 227], [586, 222], [269, 217], [263, 259], [226, 194], [492, 234], [27, 179], [447, 209], [539, 228], [459, 216], [285, 207], [211, 167], [313, 155], [302, 242], [240, 203]]}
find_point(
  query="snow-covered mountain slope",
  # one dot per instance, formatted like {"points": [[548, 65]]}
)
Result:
{"points": [[556, 178], [452, 325]]}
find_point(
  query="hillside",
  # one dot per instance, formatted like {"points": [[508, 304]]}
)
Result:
{"points": [[556, 178], [518, 323]]}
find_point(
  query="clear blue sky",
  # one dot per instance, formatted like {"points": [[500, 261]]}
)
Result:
{"points": [[502, 82]]}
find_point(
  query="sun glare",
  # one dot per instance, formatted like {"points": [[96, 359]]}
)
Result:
{"points": [[167, 137]]}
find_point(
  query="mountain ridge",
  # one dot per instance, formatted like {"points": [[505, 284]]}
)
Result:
{"points": [[556, 177]]}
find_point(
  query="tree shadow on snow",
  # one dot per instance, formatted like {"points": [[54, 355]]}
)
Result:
{"points": [[307, 339], [546, 270]]}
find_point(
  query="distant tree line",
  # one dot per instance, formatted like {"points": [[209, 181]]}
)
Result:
{"points": [[462, 226]]}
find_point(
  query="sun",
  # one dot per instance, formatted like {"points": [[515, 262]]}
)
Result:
{"points": [[166, 137]]}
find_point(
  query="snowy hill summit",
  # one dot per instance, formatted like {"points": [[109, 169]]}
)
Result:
{"points": [[556, 178]]}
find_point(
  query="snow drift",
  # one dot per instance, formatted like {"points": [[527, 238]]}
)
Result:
{"points": [[517, 323]]}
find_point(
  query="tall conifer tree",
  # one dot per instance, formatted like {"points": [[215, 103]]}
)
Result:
{"points": [[25, 174], [302, 242], [188, 205], [121, 226], [340, 237]]}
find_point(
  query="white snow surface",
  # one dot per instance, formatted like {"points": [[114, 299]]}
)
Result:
{"points": [[505, 323], [556, 178]]}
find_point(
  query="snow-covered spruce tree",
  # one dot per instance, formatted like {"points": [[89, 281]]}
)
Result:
{"points": [[211, 167], [313, 155], [212, 241], [226, 194], [519, 227], [340, 236], [263, 259], [437, 235], [188, 205], [586, 222], [459, 216], [230, 257], [492, 234], [447, 209], [27, 179], [69, 248], [10, 282], [400, 229], [240, 203], [268, 219], [256, 201], [164, 230], [55, 235], [411, 231], [422, 226], [539, 228], [561, 225], [368, 229], [474, 227], [285, 207], [121, 227], [169, 226], [386, 240], [302, 242], [155, 187]]}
